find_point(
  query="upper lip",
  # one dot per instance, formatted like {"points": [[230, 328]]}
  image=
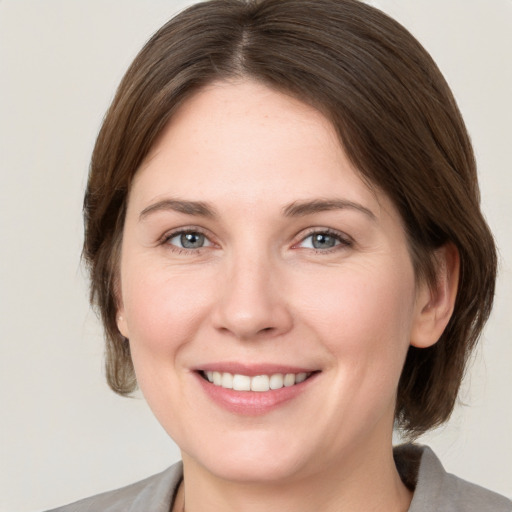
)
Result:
{"points": [[252, 370]]}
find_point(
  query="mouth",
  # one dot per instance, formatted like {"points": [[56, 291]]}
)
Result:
{"points": [[257, 383], [254, 389]]}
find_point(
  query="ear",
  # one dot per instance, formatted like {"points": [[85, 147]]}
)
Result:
{"points": [[435, 303], [121, 323]]}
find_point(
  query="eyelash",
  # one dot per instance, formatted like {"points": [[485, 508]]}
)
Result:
{"points": [[183, 231], [343, 240]]}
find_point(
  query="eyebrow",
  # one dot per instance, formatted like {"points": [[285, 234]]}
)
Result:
{"points": [[302, 208], [295, 209], [197, 208]]}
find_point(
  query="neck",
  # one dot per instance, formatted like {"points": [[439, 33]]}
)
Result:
{"points": [[366, 480]]}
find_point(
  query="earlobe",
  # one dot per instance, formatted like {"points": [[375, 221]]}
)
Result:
{"points": [[122, 326], [121, 323], [435, 303]]}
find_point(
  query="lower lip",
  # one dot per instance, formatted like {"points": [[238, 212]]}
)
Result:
{"points": [[253, 403]]}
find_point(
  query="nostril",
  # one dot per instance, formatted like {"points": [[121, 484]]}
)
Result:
{"points": [[266, 330]]}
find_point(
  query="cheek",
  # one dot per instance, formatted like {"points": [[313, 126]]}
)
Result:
{"points": [[164, 312], [163, 308], [364, 315]]}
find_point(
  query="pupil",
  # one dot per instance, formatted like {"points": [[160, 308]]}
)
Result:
{"points": [[192, 240], [321, 241]]}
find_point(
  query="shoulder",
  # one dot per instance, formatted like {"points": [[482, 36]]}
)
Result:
{"points": [[441, 491], [154, 494]]}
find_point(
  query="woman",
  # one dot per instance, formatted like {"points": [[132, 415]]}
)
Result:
{"points": [[287, 251]]}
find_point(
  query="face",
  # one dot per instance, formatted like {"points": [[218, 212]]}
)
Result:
{"points": [[253, 255]]}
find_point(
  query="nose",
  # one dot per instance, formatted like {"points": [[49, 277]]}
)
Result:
{"points": [[252, 302]]}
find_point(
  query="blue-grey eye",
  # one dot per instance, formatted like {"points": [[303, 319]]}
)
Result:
{"points": [[322, 240], [192, 240], [189, 240]]}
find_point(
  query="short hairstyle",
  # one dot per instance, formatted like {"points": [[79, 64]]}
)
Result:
{"points": [[397, 121]]}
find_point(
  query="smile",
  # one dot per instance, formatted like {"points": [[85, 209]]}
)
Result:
{"points": [[258, 383]]}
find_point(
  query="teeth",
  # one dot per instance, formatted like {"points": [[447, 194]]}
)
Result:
{"points": [[289, 379], [258, 383], [227, 381], [300, 377], [276, 381], [242, 383]]}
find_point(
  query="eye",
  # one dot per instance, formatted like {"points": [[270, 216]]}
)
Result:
{"points": [[323, 240], [188, 240]]}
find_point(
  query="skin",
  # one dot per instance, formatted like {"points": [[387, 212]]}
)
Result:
{"points": [[259, 292]]}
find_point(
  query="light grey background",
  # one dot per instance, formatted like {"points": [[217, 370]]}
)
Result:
{"points": [[63, 434]]}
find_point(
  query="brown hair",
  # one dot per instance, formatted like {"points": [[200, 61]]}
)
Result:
{"points": [[396, 118]]}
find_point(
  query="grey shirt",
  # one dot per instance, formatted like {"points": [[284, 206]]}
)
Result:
{"points": [[435, 490]]}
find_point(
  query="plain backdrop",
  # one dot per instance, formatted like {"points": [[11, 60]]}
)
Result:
{"points": [[63, 434]]}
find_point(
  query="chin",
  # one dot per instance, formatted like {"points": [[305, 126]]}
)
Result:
{"points": [[253, 461], [254, 470]]}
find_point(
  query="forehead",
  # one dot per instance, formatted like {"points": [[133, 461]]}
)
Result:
{"points": [[242, 140]]}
